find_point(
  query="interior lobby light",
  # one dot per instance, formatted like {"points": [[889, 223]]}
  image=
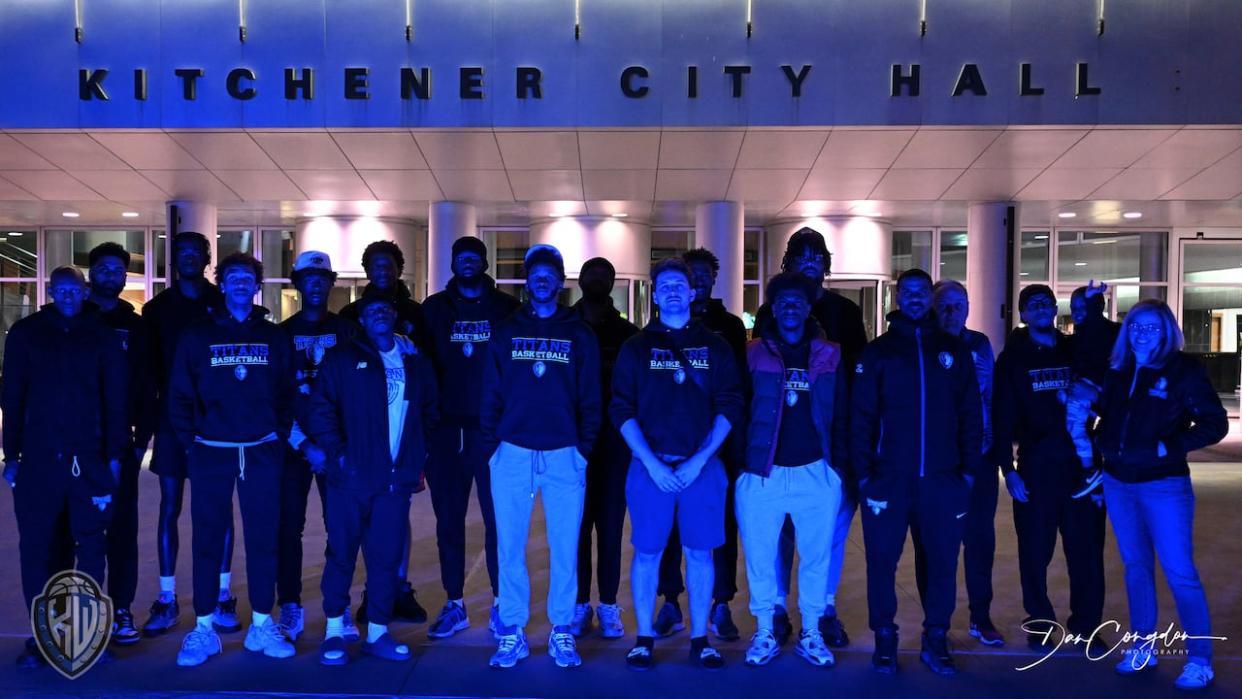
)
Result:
{"points": [[1132, 215], [70, 214], [1067, 214], [130, 214]]}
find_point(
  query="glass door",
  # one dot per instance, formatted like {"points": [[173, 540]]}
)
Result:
{"points": [[865, 293], [1211, 313]]}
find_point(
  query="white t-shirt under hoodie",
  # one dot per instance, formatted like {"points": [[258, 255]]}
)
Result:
{"points": [[394, 370]]}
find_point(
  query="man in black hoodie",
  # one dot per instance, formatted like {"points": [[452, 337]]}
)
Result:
{"points": [[109, 267], [676, 394], [66, 432], [231, 404], [1033, 375], [539, 414], [916, 437], [371, 410], [604, 509], [460, 321], [189, 298]]}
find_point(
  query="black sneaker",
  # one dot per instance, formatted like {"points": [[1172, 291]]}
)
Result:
{"points": [[781, 628], [669, 621], [722, 624], [123, 631], [639, 658], [884, 659], [164, 617], [708, 658], [407, 607], [224, 618], [1036, 635], [833, 631], [935, 653], [1090, 480], [31, 658]]}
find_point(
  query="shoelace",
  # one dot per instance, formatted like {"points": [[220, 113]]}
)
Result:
{"points": [[564, 642], [197, 639], [508, 644]]}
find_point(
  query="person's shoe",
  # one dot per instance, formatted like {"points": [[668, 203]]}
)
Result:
{"points": [[563, 648], [493, 622], [386, 647], [708, 658], [581, 624], [510, 650], [332, 651], [31, 658], [1097, 646], [1195, 676], [721, 623], [610, 624], [987, 634], [669, 620], [639, 658], [1136, 660], [1037, 638], [224, 618], [812, 647], [407, 607], [781, 628], [269, 639], [763, 648], [292, 620], [197, 646], [884, 659], [833, 631], [164, 616], [349, 632], [123, 631], [1091, 479], [452, 618], [935, 654]]}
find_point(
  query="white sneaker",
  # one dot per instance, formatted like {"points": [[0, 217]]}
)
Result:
{"points": [[510, 650], [580, 625], [610, 624], [1136, 660], [292, 620], [812, 647], [269, 639], [763, 647], [563, 649], [1195, 676], [198, 645]]}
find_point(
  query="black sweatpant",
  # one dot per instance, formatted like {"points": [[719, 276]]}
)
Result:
{"points": [[724, 557], [376, 522], [935, 507], [214, 471], [1081, 524], [603, 512], [455, 462], [978, 549], [45, 493], [294, 492], [123, 537]]}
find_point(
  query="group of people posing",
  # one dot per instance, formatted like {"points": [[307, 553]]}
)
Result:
{"points": [[704, 435]]}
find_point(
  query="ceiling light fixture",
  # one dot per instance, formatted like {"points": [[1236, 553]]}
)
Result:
{"points": [[1067, 214], [15, 234], [620, 214], [1080, 264], [1132, 215], [130, 214], [70, 214]]}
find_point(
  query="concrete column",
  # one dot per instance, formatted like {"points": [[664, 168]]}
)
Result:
{"points": [[343, 238], [625, 243], [987, 270], [718, 227], [446, 222], [1153, 258], [197, 216], [861, 247]]}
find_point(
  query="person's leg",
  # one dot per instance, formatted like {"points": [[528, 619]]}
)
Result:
{"points": [[89, 525], [211, 511], [920, 564], [760, 518], [1082, 540], [610, 526], [1035, 523], [979, 546], [592, 505], [39, 501], [167, 536], [671, 585], [1134, 543], [449, 481], [700, 579], [644, 578], [1169, 505], [347, 513], [840, 537], [724, 557], [939, 514], [295, 485], [651, 529], [562, 484], [477, 463], [813, 501], [123, 538], [701, 521], [884, 537], [513, 498], [257, 491], [381, 550]]}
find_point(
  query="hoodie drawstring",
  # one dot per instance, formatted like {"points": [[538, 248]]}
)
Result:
{"points": [[241, 449], [77, 470], [461, 440], [538, 465]]}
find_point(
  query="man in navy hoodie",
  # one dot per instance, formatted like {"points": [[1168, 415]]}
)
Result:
{"points": [[460, 321], [370, 412], [540, 414], [231, 404]]}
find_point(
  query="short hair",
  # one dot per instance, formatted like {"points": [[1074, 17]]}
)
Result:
{"points": [[944, 286], [66, 271], [239, 259], [804, 239], [108, 249], [383, 247], [669, 264], [914, 273], [191, 237], [1095, 304], [702, 255], [1171, 338], [790, 281]]}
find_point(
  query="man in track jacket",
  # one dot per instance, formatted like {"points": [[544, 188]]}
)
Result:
{"points": [[371, 411], [916, 438], [539, 415], [460, 320]]}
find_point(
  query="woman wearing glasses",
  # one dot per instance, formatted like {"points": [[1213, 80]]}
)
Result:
{"points": [[1157, 406]]}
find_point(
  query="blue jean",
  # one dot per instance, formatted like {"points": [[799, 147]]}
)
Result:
{"points": [[1156, 519]]}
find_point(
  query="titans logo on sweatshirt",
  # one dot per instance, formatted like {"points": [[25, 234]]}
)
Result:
{"points": [[235, 354], [796, 383], [467, 333], [314, 346], [1050, 379], [541, 349], [666, 359]]}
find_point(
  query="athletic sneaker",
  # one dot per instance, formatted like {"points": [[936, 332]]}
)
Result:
{"points": [[781, 628], [1091, 479], [1195, 676], [669, 620], [123, 631], [349, 632], [763, 648], [292, 619], [1136, 660], [721, 623], [198, 645], [884, 659], [493, 622], [639, 658], [563, 648], [452, 618], [833, 631], [510, 650], [581, 624], [610, 624], [269, 639], [812, 647], [164, 616], [224, 619], [406, 606], [987, 634], [935, 654]]}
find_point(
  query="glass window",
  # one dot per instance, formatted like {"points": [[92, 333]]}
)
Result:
{"points": [[277, 254], [953, 255], [17, 300], [229, 242], [509, 247], [281, 300], [911, 250], [1111, 256], [160, 242], [752, 241], [1212, 262], [1210, 319], [751, 293], [670, 243], [74, 247], [18, 254], [1033, 256]]}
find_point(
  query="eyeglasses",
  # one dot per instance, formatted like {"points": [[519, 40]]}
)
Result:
{"points": [[1145, 329]]}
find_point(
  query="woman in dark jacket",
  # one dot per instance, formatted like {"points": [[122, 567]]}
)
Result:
{"points": [[1157, 406]]}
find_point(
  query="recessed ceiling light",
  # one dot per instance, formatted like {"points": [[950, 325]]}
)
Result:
{"points": [[15, 234], [70, 214], [1041, 237], [1080, 264], [1132, 214], [620, 214], [1067, 214], [1024, 274], [130, 214]]}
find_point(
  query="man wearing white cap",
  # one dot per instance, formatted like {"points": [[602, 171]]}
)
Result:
{"points": [[314, 330]]}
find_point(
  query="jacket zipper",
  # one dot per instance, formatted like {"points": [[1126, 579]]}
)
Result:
{"points": [[918, 339], [1125, 424]]}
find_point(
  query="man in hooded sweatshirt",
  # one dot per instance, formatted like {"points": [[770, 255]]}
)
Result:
{"points": [[460, 320], [539, 415]]}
